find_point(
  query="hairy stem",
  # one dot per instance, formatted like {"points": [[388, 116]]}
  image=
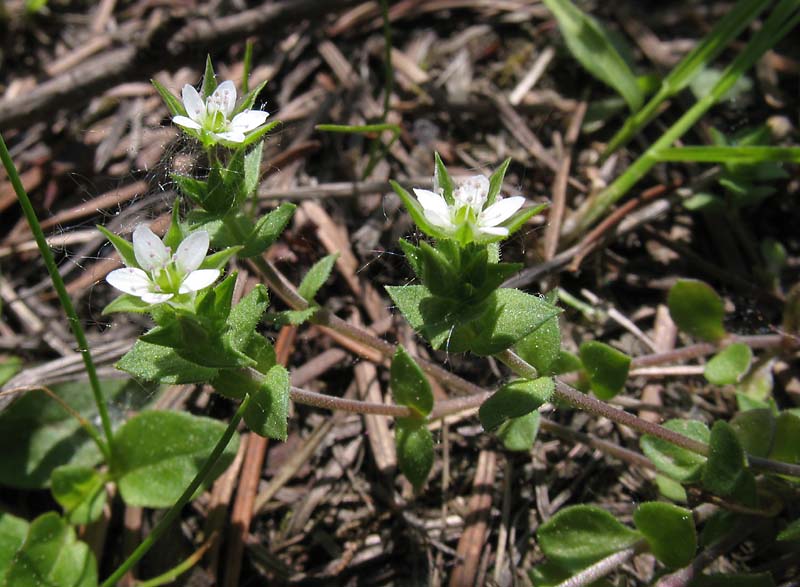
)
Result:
{"points": [[604, 566], [63, 296]]}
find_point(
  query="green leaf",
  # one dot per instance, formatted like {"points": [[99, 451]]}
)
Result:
{"points": [[249, 99], [175, 233], [729, 365], [606, 367], [219, 259], [592, 46], [13, 531], [268, 411], [267, 230], [127, 303], [674, 461], [566, 362], [697, 309], [442, 177], [80, 491], [157, 454], [316, 277], [209, 80], [786, 446], [174, 105], [669, 530], [755, 430], [409, 385], [790, 532], [726, 460], [9, 367], [245, 317], [504, 318], [542, 347], [193, 188], [152, 362], [52, 556], [579, 535], [738, 154], [414, 450], [294, 317], [514, 400], [252, 170], [123, 247], [496, 181], [671, 489], [519, 434], [45, 436]]}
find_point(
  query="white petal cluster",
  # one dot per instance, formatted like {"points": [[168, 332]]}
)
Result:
{"points": [[161, 276], [214, 115], [469, 206]]}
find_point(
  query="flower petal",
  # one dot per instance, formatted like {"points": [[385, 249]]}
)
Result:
{"points": [[191, 252], [198, 280], [434, 207], [186, 122], [248, 120], [223, 99], [500, 211], [150, 252], [129, 280], [155, 298], [234, 136], [494, 230], [195, 108]]}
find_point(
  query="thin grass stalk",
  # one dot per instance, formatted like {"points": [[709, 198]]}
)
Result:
{"points": [[63, 296], [782, 20]]}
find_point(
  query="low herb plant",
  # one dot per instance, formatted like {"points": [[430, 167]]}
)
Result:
{"points": [[458, 304]]}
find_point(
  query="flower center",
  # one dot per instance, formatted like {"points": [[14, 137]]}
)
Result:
{"points": [[167, 279]]}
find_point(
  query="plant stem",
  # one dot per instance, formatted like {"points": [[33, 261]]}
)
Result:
{"points": [[187, 494], [476, 395], [604, 566], [63, 296], [778, 24]]}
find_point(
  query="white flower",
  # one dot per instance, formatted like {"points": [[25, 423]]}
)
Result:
{"points": [[468, 208], [160, 276], [214, 115]]}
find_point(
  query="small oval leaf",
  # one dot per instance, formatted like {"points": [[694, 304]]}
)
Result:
{"points": [[515, 400], [606, 367], [729, 365], [726, 460], [519, 434], [80, 491], [579, 535], [669, 530], [697, 309], [409, 385], [414, 450], [674, 461]]}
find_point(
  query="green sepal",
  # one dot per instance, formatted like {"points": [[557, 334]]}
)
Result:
{"points": [[127, 303], [496, 182], [443, 179], [415, 211], [249, 99], [174, 105], [175, 234], [255, 135], [209, 80], [123, 247], [220, 259], [519, 219]]}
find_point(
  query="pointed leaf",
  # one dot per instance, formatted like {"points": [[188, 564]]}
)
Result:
{"points": [[542, 347], [268, 411], [123, 247], [13, 531], [316, 277], [267, 230], [173, 103], [496, 182], [152, 362], [444, 179], [209, 80]]}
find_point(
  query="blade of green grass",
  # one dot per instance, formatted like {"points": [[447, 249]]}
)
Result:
{"points": [[727, 29], [591, 45], [783, 19], [746, 155], [365, 129]]}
